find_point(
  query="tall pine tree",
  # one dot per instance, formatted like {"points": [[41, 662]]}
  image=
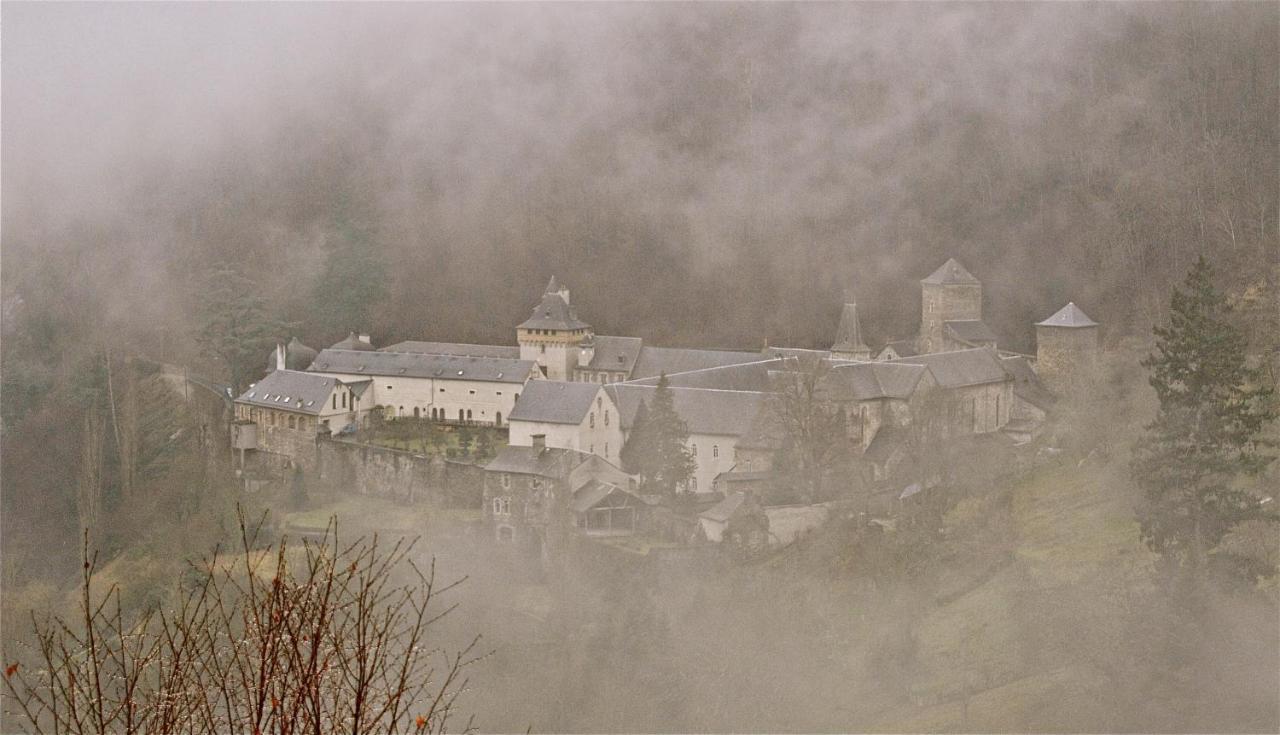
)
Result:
{"points": [[657, 448], [1206, 434], [234, 324]]}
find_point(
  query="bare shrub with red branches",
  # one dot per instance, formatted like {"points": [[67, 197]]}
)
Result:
{"points": [[319, 638]]}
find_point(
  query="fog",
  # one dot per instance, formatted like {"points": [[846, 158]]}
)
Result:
{"points": [[720, 175]]}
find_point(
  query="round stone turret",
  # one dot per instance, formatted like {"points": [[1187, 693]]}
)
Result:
{"points": [[1067, 346]]}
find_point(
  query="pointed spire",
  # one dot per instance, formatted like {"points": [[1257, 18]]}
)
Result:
{"points": [[849, 334], [951, 273], [552, 286]]}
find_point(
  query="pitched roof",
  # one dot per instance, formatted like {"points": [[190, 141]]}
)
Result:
{"points": [[615, 353], [455, 348], [589, 495], [417, 365], [960, 368], [549, 462], [903, 347], [721, 512], [888, 439], [1026, 384], [657, 360], [749, 376], [973, 331], [862, 381], [352, 342], [951, 273], [849, 333], [1068, 316], [291, 390], [554, 402], [553, 313], [718, 412]]}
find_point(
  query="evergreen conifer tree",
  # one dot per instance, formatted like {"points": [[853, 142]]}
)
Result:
{"points": [[1206, 433], [234, 324], [657, 447]]}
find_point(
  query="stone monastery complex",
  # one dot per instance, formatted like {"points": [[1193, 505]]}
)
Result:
{"points": [[568, 399]]}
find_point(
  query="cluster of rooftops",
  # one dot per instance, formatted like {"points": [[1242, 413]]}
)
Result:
{"points": [[704, 380]]}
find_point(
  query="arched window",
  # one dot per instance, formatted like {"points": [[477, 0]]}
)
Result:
{"points": [[292, 423], [715, 450], [592, 420], [606, 417], [694, 449], [461, 414], [497, 419], [468, 414], [416, 413]]}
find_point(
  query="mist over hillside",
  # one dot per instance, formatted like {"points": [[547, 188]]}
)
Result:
{"points": [[754, 161], [715, 175]]}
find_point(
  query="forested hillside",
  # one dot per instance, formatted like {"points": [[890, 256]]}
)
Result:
{"points": [[715, 175]]}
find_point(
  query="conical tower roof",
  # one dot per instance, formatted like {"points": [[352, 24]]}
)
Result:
{"points": [[849, 333], [951, 273], [1068, 316]]}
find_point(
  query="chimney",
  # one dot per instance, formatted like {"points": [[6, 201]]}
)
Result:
{"points": [[280, 356], [539, 441]]}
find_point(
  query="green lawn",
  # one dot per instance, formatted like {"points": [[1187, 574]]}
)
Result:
{"points": [[426, 437]]}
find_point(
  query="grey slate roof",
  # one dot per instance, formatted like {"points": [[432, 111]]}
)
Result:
{"points": [[721, 512], [352, 342], [749, 376], [1068, 316], [951, 273], [615, 353], [849, 333], [657, 360], [1026, 384], [553, 313], [719, 412], [973, 331], [554, 402], [864, 381], [960, 368], [549, 462], [455, 348], [416, 365], [904, 347], [886, 441], [290, 390], [589, 495], [297, 356]]}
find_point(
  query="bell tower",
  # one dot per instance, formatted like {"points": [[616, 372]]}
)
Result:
{"points": [[552, 334]]}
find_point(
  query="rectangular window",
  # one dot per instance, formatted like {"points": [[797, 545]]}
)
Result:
{"points": [[335, 401]]}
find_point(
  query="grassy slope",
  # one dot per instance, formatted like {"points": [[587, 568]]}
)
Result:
{"points": [[1074, 538]]}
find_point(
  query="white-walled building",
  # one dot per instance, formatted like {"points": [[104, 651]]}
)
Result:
{"points": [[453, 388], [716, 419], [578, 416]]}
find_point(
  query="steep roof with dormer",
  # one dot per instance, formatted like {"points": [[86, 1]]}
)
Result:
{"points": [[951, 273], [291, 390]]}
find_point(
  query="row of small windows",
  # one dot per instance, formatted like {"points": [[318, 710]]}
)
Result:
{"points": [[715, 450]]}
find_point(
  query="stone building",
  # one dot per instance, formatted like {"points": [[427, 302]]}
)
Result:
{"points": [[1067, 349], [281, 414], [448, 388], [529, 493], [951, 311]]}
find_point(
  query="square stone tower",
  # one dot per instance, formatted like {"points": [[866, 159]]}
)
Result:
{"points": [[551, 336], [950, 293]]}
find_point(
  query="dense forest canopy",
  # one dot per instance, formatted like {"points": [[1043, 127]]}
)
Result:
{"points": [[753, 162]]}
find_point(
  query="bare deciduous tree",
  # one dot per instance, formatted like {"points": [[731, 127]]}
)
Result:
{"points": [[322, 638]]}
